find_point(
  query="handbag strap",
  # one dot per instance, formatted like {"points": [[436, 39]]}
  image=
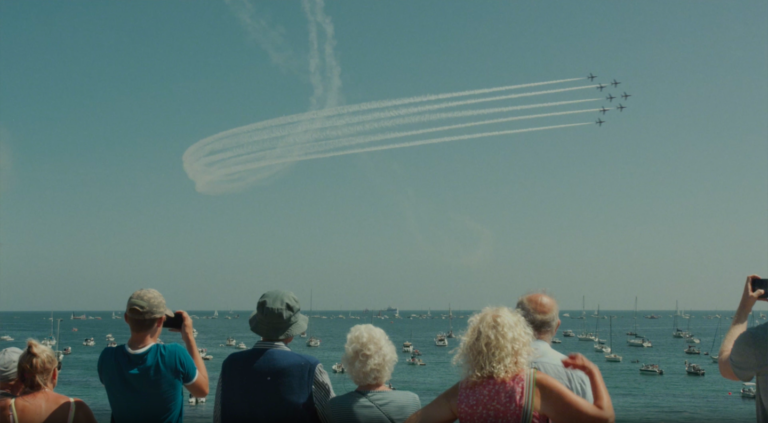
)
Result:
{"points": [[529, 392], [364, 395]]}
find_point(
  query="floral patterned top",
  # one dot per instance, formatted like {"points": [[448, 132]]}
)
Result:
{"points": [[493, 400]]}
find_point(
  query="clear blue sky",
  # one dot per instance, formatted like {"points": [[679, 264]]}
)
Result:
{"points": [[99, 100]]}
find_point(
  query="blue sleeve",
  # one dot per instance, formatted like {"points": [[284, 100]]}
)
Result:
{"points": [[185, 366]]}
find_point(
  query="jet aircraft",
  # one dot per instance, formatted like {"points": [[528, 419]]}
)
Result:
{"points": [[603, 110], [625, 95], [591, 77], [599, 122], [600, 87], [615, 83], [610, 98], [621, 108]]}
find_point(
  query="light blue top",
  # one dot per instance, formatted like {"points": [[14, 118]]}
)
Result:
{"points": [[549, 361], [749, 359], [370, 406], [146, 384]]}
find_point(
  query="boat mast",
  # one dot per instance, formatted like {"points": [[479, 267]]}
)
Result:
{"points": [[635, 315], [714, 339], [597, 324]]}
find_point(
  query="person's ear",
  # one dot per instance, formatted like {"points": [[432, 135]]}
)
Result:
{"points": [[160, 322]]}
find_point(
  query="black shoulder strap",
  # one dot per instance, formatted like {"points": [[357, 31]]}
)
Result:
{"points": [[391, 420]]}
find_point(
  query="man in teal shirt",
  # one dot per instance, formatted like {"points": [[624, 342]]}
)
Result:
{"points": [[144, 379]]}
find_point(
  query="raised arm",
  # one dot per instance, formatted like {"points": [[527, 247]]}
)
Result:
{"points": [[441, 410], [738, 326], [560, 404], [199, 387]]}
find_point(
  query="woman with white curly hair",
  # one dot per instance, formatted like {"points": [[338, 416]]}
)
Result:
{"points": [[500, 386], [369, 359]]}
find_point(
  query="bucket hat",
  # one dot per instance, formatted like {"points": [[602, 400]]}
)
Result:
{"points": [[278, 316]]}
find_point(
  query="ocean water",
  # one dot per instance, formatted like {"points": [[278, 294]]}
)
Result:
{"points": [[673, 397]]}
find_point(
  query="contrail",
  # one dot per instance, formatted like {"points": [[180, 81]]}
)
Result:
{"points": [[241, 135], [373, 105], [303, 150], [372, 126], [251, 166]]}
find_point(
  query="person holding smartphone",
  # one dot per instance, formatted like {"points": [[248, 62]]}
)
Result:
{"points": [[744, 352], [144, 379]]}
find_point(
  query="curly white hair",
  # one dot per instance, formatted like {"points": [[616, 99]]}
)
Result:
{"points": [[369, 355]]}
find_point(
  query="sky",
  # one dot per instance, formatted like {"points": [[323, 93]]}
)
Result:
{"points": [[100, 101]]}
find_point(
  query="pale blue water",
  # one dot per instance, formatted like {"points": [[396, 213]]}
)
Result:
{"points": [[674, 397]]}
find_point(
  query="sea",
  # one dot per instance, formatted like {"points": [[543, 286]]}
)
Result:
{"points": [[673, 397]]}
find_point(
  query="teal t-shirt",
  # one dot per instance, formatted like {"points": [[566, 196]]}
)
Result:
{"points": [[146, 385]]}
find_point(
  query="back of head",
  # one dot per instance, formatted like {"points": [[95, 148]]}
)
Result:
{"points": [[144, 308], [497, 344], [541, 312], [36, 365], [9, 364], [369, 355]]}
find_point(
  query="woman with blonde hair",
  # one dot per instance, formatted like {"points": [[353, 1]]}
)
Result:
{"points": [[369, 359], [38, 373], [499, 385]]}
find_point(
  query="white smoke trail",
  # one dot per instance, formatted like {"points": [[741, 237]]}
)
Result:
{"points": [[238, 136], [341, 131], [303, 150], [363, 107], [233, 172]]}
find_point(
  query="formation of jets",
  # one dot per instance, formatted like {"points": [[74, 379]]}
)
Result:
{"points": [[599, 122]]}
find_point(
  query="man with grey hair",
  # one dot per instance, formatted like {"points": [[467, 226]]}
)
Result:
{"points": [[541, 312]]}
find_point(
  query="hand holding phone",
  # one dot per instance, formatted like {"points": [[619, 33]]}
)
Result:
{"points": [[174, 322], [760, 284]]}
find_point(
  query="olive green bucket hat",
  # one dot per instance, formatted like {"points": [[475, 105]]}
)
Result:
{"points": [[278, 316]]}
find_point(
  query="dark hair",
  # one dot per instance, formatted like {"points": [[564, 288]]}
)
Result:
{"points": [[139, 325]]}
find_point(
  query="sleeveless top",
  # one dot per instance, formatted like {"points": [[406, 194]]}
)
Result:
{"points": [[15, 417], [493, 400]]}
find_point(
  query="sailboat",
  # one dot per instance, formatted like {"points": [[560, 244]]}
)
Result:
{"points": [[312, 342], [584, 336], [613, 357], [215, 314], [677, 332], [638, 341], [688, 335], [599, 347], [50, 340], [450, 323], [715, 356]]}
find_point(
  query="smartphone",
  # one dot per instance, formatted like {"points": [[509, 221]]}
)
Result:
{"points": [[760, 284], [174, 322]]}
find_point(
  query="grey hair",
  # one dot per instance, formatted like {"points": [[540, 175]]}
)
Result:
{"points": [[540, 323]]}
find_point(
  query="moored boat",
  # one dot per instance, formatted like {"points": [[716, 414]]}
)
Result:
{"points": [[693, 369], [651, 369]]}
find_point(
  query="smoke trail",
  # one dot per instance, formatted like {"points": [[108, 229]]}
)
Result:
{"points": [[231, 138], [363, 107], [303, 150], [365, 127], [251, 166]]}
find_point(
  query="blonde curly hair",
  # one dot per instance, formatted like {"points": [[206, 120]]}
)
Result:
{"points": [[36, 366], [369, 355], [497, 345]]}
